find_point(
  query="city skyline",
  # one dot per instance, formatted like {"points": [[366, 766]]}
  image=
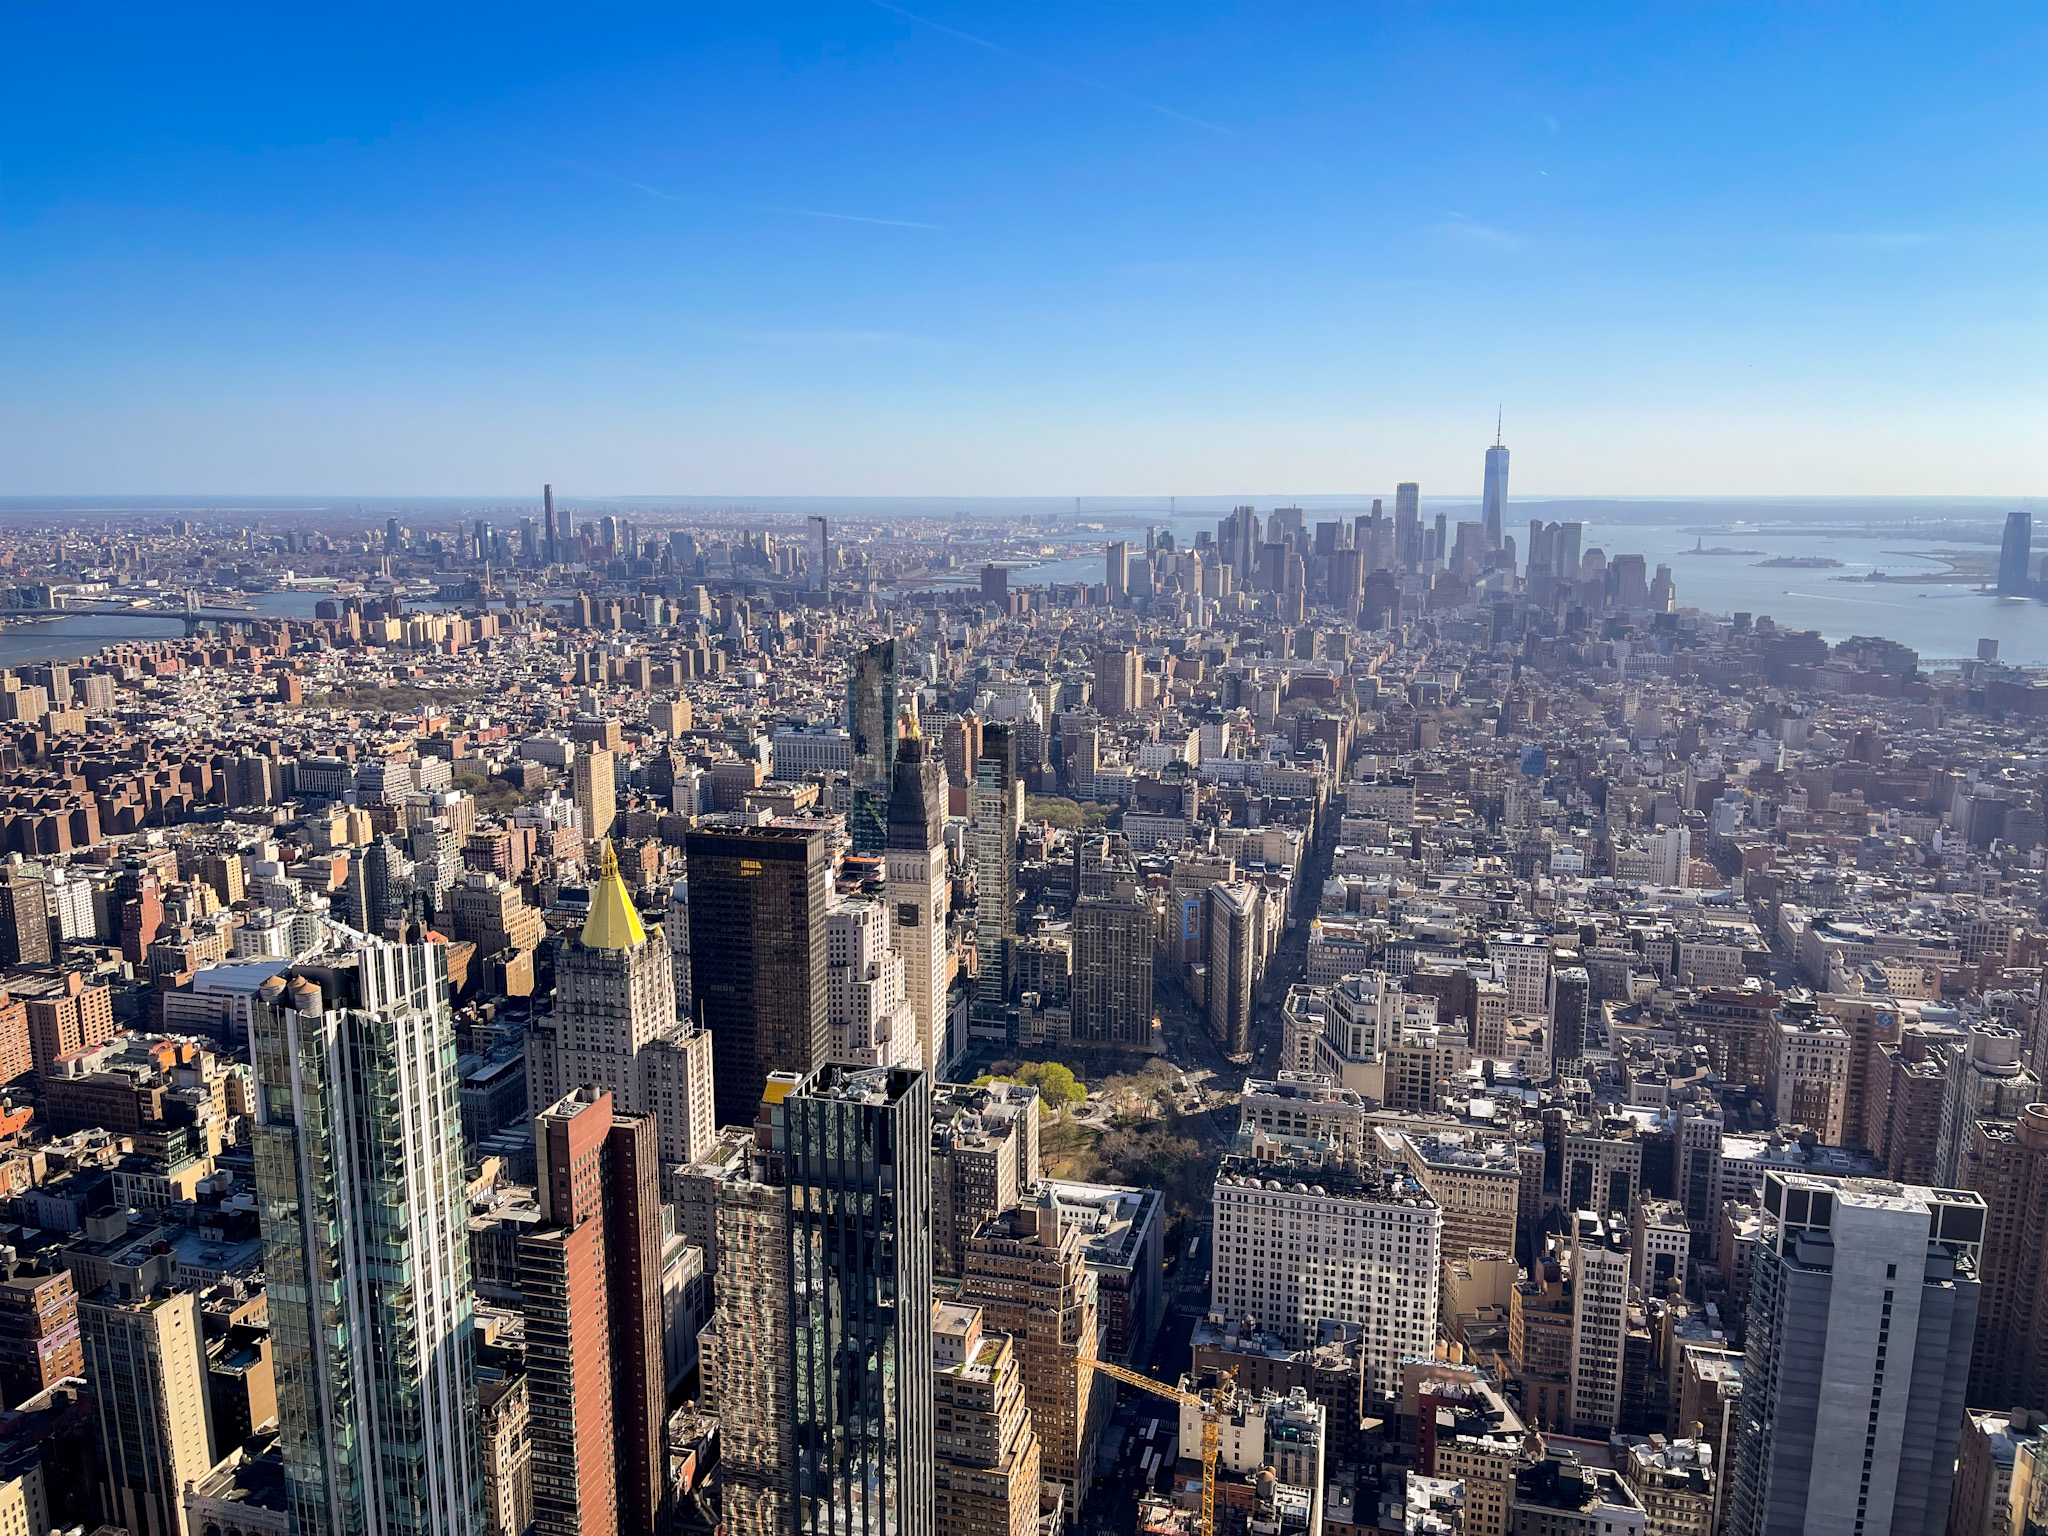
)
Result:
{"points": [[957, 975], [492, 1012], [894, 251]]}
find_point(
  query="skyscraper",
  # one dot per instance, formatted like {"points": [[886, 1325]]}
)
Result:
{"points": [[1984, 1078], [915, 863], [994, 808], [1118, 574], [1117, 669], [2006, 1162], [1301, 1238], [1600, 1280], [2014, 554], [1564, 555], [596, 792], [1570, 1004], [38, 1326], [1495, 500], [821, 555], [987, 1474], [1232, 911], [856, 1150], [872, 1022], [145, 1359], [590, 1276], [550, 549], [757, 955], [388, 885], [1028, 1272], [821, 1353], [749, 1358], [871, 722], [24, 920], [1862, 1301], [1113, 942], [614, 1025], [1237, 537], [1408, 525], [359, 1175]]}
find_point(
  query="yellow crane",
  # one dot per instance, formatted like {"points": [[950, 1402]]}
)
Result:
{"points": [[1212, 1406]]}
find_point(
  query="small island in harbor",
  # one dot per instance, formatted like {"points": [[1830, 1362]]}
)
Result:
{"points": [[1700, 548], [1800, 563]]}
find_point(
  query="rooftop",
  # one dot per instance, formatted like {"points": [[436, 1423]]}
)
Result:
{"points": [[859, 1085], [1388, 1185]]}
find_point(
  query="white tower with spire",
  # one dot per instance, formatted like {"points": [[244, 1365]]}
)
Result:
{"points": [[1495, 500]]}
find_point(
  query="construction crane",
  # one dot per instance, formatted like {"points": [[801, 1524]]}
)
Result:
{"points": [[1212, 1406]]}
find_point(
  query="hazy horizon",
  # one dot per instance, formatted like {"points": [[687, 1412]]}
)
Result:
{"points": [[1163, 504]]}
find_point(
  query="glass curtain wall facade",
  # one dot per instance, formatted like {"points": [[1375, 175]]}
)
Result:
{"points": [[358, 1151], [857, 1163], [871, 722]]}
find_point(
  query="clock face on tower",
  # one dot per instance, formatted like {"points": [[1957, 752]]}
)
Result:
{"points": [[906, 914]]}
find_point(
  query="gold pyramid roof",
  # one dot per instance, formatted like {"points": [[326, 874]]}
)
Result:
{"points": [[613, 923]]}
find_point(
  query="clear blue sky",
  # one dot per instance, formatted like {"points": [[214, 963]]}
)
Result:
{"points": [[1004, 249]]}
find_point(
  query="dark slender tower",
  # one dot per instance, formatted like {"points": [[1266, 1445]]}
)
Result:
{"points": [[856, 1158], [871, 722], [24, 920], [757, 955], [550, 550], [821, 551], [2015, 553]]}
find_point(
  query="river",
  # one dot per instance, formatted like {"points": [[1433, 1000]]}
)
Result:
{"points": [[68, 639]]}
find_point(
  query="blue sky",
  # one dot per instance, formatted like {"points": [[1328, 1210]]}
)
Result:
{"points": [[1007, 250]]}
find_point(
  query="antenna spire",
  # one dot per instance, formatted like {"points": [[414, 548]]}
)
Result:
{"points": [[1497, 415]]}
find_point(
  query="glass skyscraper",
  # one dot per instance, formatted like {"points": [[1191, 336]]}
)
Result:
{"points": [[1495, 500], [757, 956], [358, 1148], [871, 722], [2014, 554], [856, 1161]]}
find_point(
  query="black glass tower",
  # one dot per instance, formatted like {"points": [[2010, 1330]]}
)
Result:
{"points": [[871, 722], [855, 1147], [757, 956]]}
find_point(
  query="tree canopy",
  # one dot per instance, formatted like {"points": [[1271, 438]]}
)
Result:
{"points": [[1056, 1084]]}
